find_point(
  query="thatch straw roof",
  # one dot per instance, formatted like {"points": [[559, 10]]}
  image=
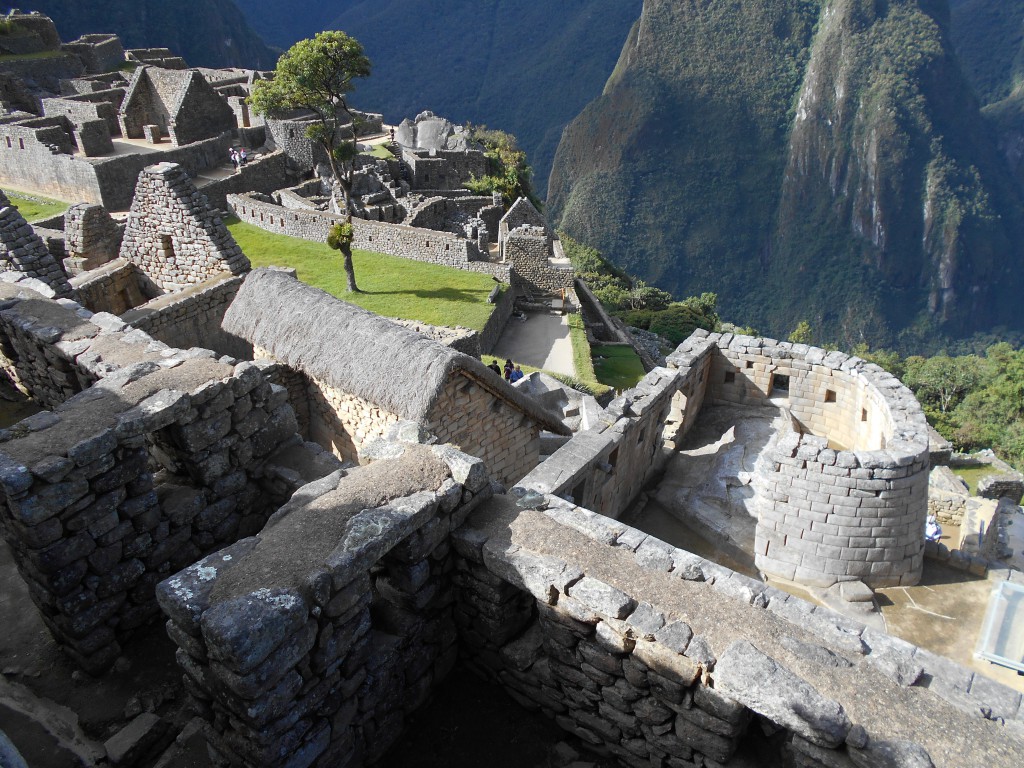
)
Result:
{"points": [[358, 352]]}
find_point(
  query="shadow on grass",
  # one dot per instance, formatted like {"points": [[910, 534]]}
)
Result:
{"points": [[447, 294]]}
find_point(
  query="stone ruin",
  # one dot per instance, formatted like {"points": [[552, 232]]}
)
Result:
{"points": [[173, 235], [91, 237], [315, 611], [316, 605], [23, 253]]}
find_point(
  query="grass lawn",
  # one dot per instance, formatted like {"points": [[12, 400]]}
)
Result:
{"points": [[32, 56], [381, 151], [616, 366], [35, 207], [971, 475], [393, 287]]}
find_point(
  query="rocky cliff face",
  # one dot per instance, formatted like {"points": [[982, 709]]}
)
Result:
{"points": [[804, 159], [209, 33]]}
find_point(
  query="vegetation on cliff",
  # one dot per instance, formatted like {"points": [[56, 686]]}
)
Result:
{"points": [[989, 39], [804, 159]]}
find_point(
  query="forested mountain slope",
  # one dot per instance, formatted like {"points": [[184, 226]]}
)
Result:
{"points": [[806, 159], [989, 38], [522, 66], [210, 33]]}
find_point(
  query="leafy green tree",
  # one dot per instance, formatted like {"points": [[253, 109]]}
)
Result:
{"points": [[316, 75], [802, 334], [942, 382]]}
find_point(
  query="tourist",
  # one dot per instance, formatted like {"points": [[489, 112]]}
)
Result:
{"points": [[243, 158], [495, 367], [508, 369], [234, 159], [517, 374]]}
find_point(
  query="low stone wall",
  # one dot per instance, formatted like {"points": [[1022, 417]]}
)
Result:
{"points": [[503, 308], [114, 287], [264, 173], [399, 240], [317, 658], [849, 502], [92, 526], [192, 316], [605, 467]]}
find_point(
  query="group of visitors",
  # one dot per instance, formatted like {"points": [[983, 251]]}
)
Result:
{"points": [[512, 372], [239, 157]]}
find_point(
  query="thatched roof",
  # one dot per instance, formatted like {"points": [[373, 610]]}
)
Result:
{"points": [[358, 352]]}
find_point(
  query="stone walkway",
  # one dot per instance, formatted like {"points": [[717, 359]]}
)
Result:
{"points": [[541, 341]]}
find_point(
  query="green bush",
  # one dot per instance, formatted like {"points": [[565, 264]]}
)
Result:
{"points": [[680, 320]]}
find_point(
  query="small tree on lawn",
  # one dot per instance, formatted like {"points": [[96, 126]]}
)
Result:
{"points": [[316, 75]]}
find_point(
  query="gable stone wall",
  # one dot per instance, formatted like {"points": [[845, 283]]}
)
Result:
{"points": [[173, 235]]}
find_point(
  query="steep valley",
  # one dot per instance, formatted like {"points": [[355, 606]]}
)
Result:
{"points": [[805, 160]]}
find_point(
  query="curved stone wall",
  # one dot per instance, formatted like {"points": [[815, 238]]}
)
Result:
{"points": [[844, 496]]}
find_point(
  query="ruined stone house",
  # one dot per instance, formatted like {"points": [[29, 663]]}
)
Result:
{"points": [[181, 105], [351, 374]]}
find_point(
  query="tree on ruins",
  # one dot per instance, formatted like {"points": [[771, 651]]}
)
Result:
{"points": [[316, 75]]}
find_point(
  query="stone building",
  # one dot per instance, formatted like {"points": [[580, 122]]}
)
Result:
{"points": [[177, 104], [352, 374], [438, 154]]}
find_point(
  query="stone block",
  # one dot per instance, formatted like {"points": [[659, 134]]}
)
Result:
{"points": [[760, 683]]}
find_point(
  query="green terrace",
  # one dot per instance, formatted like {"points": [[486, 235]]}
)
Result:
{"points": [[392, 287], [35, 207]]}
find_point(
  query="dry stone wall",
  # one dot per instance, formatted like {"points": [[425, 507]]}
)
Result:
{"points": [[195, 313], [605, 467], [173, 235], [846, 496], [24, 252], [168, 457], [664, 659], [114, 287], [352, 632], [399, 240], [91, 237], [527, 249]]}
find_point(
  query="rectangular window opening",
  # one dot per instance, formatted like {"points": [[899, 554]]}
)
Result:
{"points": [[779, 385], [730, 377], [863, 414], [830, 395]]}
